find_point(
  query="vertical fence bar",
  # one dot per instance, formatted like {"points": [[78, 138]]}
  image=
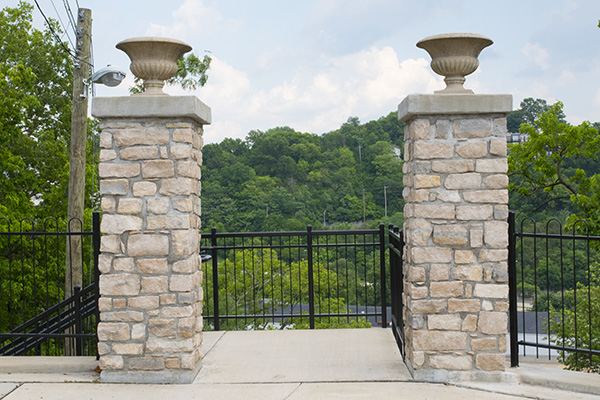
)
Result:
{"points": [[215, 272], [78, 322], [96, 249], [383, 281], [311, 284], [512, 291]]}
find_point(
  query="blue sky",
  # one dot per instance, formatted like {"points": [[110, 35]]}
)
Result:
{"points": [[311, 64]]}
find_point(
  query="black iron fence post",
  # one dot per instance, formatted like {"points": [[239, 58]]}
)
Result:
{"points": [[96, 249], [382, 269], [215, 272], [311, 284], [512, 291], [78, 322]]}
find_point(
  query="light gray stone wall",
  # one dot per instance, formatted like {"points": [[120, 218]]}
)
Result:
{"points": [[456, 235], [150, 284]]}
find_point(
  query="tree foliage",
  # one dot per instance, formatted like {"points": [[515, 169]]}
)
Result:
{"points": [[559, 161], [282, 179], [192, 73]]}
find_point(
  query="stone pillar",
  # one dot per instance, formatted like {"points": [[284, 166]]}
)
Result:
{"points": [[150, 328], [456, 234]]}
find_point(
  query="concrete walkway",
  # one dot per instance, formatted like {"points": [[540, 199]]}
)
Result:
{"points": [[294, 365]]}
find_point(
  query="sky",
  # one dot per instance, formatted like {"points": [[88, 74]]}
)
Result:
{"points": [[312, 64]]}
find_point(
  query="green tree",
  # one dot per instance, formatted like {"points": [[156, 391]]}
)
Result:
{"points": [[35, 114], [550, 162], [192, 73]]}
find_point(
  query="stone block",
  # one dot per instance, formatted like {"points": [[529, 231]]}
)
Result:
{"points": [[158, 169], [147, 363], [185, 242], [160, 205], [180, 221], [496, 234], [110, 244], [148, 245], [152, 266], [463, 181], [415, 274], [178, 187], [444, 322], [472, 128], [483, 344], [450, 235], [114, 170], [183, 205], [464, 257], [139, 153], [189, 169], [491, 291], [129, 206], [108, 204], [472, 150], [498, 147], [421, 255], [439, 340], [444, 211], [487, 196], [106, 140], [181, 283], [467, 273], [115, 187], [154, 284], [428, 306], [419, 130], [107, 155], [143, 303], [119, 285], [135, 137], [494, 165], [183, 135], [439, 272], [112, 331], [181, 151], [492, 323], [169, 346], [498, 181], [464, 305], [128, 348], [446, 289], [490, 362], [451, 362], [187, 266], [176, 311], [122, 316], [492, 255], [117, 224], [141, 189], [123, 264], [432, 150], [469, 324], [452, 166], [109, 362]]}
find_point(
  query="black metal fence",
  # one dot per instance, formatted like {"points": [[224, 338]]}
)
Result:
{"points": [[396, 246], [35, 317], [554, 290], [312, 279]]}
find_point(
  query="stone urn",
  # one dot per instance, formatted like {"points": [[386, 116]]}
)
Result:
{"points": [[454, 56], [154, 60]]}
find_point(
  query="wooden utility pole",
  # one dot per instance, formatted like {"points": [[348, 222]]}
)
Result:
{"points": [[79, 115]]}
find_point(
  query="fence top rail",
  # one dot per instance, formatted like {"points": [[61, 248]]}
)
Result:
{"points": [[37, 233], [349, 232], [557, 236]]}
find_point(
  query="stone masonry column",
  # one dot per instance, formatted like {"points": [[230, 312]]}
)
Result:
{"points": [[456, 235], [150, 328]]}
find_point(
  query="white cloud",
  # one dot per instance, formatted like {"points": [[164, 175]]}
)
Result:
{"points": [[537, 54], [193, 18], [367, 84]]}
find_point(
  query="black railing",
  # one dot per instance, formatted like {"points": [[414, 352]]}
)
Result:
{"points": [[311, 279], [554, 286], [396, 245], [34, 318]]}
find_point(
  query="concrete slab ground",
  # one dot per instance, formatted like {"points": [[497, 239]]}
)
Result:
{"points": [[291, 365]]}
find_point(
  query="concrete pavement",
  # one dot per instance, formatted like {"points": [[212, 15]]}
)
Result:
{"points": [[293, 365]]}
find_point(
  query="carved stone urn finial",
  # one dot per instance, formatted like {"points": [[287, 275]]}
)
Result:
{"points": [[154, 60], [454, 55]]}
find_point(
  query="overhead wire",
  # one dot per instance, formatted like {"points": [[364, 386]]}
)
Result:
{"points": [[70, 16], [62, 24], [60, 41]]}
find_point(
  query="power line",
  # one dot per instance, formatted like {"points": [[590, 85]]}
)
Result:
{"points": [[70, 15], [62, 24], [62, 44]]}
